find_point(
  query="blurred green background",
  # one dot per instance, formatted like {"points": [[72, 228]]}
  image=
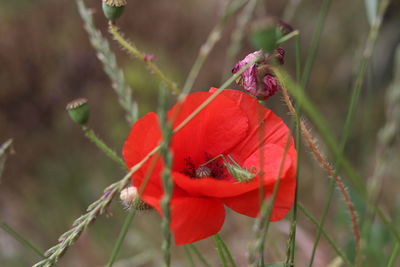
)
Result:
{"points": [[46, 60]]}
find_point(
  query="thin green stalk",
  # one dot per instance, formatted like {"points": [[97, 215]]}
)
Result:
{"points": [[327, 205], [291, 250], [121, 237], [237, 35], [315, 42], [212, 39], [357, 85], [359, 79], [20, 238], [189, 256], [287, 37], [220, 251], [327, 136], [166, 179], [96, 208], [199, 255], [128, 220], [327, 237], [226, 250], [262, 222], [89, 133], [394, 255], [131, 48], [110, 66]]}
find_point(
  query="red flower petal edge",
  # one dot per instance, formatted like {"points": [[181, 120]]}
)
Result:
{"points": [[230, 125]]}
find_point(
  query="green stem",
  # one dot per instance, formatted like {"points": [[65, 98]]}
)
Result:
{"points": [[262, 223], [20, 238], [226, 250], [237, 35], [212, 39], [131, 48], [327, 204], [121, 237], [291, 250], [327, 237], [394, 255], [315, 42], [189, 256], [102, 146], [166, 179], [220, 251], [199, 255]]}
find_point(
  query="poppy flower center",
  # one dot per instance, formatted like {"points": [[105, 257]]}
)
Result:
{"points": [[214, 169]]}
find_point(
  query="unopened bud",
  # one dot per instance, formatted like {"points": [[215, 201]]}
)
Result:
{"points": [[78, 110], [130, 198], [113, 9]]}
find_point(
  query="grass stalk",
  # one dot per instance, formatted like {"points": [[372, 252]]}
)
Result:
{"points": [[132, 49], [110, 66], [226, 250], [338, 251], [166, 179], [237, 35], [262, 222], [189, 256], [315, 42], [199, 255], [212, 39], [324, 163], [121, 236], [20, 238], [357, 85], [128, 220], [220, 251], [91, 135], [291, 248], [394, 255]]}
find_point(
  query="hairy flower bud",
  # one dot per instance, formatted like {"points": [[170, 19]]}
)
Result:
{"points": [[78, 110]]}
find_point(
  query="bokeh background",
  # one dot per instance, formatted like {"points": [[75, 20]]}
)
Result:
{"points": [[54, 172]]}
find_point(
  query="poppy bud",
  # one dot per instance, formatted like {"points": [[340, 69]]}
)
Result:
{"points": [[78, 110], [113, 9], [130, 198]]}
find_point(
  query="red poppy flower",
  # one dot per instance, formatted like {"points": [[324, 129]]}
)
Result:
{"points": [[229, 125]]}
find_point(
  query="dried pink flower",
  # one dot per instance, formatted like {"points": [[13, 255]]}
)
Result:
{"points": [[258, 80]]}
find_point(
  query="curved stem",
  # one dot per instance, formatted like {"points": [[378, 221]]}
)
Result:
{"points": [[89, 133], [131, 48]]}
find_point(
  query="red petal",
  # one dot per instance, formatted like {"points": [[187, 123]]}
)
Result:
{"points": [[212, 187], [216, 129], [193, 219], [249, 203], [145, 135], [275, 130]]}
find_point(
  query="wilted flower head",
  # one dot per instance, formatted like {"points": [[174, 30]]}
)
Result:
{"points": [[258, 80]]}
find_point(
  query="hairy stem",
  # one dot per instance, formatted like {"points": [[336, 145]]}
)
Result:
{"points": [[131, 48]]}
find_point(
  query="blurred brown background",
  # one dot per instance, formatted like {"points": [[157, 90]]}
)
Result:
{"points": [[46, 60]]}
